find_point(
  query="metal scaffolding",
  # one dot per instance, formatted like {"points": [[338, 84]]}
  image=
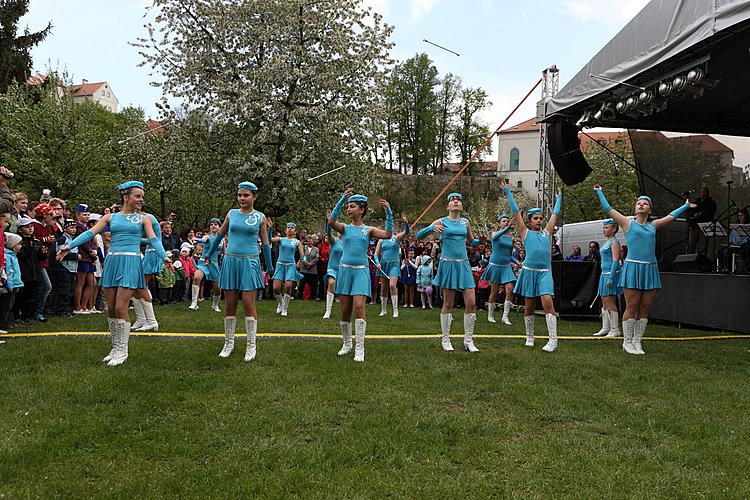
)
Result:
{"points": [[546, 175]]}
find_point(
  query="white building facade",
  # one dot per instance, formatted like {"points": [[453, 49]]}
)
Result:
{"points": [[99, 92], [518, 157]]}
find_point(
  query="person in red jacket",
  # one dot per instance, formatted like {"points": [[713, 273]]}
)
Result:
{"points": [[188, 265], [44, 233]]}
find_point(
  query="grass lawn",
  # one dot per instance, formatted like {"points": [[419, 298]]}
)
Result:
{"points": [[412, 421]]}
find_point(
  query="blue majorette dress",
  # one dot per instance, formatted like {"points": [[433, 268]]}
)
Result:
{"points": [[210, 271], [535, 278], [152, 264], [286, 267], [498, 270], [123, 266], [240, 268], [640, 270], [334, 259], [390, 258], [606, 276], [454, 272], [353, 276]]}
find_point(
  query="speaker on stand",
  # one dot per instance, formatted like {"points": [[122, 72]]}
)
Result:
{"points": [[565, 152]]}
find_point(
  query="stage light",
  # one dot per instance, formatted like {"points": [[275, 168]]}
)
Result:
{"points": [[620, 107], [608, 110], [665, 88], [646, 97], [679, 83], [598, 115], [695, 76], [631, 103]]}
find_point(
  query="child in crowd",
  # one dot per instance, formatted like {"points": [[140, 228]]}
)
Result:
{"points": [[188, 266], [483, 286], [166, 281], [28, 259], [64, 271], [180, 278], [424, 280], [12, 283]]}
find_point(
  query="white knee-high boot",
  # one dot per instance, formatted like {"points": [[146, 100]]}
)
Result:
{"points": [[148, 311], [346, 334], [551, 345], [123, 332], [628, 330], [383, 306], [469, 322], [329, 305], [285, 304], [506, 311], [230, 325], [394, 304], [528, 322], [195, 291], [140, 317], [360, 327], [279, 302], [215, 303], [445, 331], [614, 324], [605, 324], [491, 312], [640, 329], [112, 330], [251, 328]]}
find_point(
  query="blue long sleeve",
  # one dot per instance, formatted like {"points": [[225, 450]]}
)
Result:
{"points": [[680, 210], [613, 271], [337, 209], [210, 248], [388, 219], [603, 200], [500, 233], [156, 244], [422, 233], [82, 238], [558, 204], [406, 227], [511, 201], [267, 256]]}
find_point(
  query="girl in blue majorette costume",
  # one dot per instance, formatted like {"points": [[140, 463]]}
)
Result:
{"points": [[454, 273], [286, 273], [334, 259], [498, 272], [241, 273], [609, 280], [123, 268], [388, 260], [639, 277], [209, 272], [535, 277], [353, 276]]}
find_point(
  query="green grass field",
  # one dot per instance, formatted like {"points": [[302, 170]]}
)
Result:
{"points": [[412, 421]]}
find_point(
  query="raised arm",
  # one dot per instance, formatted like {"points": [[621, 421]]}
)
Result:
{"points": [[400, 236], [388, 232], [555, 212], [621, 220], [329, 229], [473, 241], [514, 210], [333, 217], [660, 223], [213, 245]]}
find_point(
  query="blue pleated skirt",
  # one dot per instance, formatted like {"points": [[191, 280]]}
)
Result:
{"points": [[534, 283], [124, 271], [241, 274], [499, 275], [391, 269], [152, 264], [606, 291], [353, 281], [210, 271], [286, 272], [640, 276], [454, 275]]}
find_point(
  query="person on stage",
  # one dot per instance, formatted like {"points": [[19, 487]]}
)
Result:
{"points": [[609, 280], [143, 304], [209, 272], [290, 251], [353, 277], [241, 275], [639, 276], [454, 273], [499, 272], [388, 260], [123, 269], [535, 277], [334, 260]]}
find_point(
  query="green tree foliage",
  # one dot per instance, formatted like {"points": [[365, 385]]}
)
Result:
{"points": [[470, 131], [15, 57], [295, 86]]}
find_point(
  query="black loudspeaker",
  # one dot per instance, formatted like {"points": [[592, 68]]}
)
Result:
{"points": [[691, 263], [565, 152]]}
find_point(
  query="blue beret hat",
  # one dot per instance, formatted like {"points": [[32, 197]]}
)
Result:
{"points": [[503, 216], [215, 219], [291, 224], [647, 198], [455, 195], [248, 186], [608, 221], [130, 184], [358, 197], [534, 211]]}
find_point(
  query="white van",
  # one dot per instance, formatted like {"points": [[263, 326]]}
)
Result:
{"points": [[580, 234]]}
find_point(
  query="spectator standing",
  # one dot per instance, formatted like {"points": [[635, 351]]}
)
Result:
{"points": [[324, 249], [424, 280], [309, 268], [169, 240], [575, 256], [28, 260], [13, 282], [188, 265], [85, 281], [593, 255], [43, 232], [64, 272]]}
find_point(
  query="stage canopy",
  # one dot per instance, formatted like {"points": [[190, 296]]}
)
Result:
{"points": [[679, 65]]}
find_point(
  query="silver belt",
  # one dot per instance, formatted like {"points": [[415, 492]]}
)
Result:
{"points": [[129, 254], [608, 272], [389, 261], [639, 261], [535, 269], [285, 263], [353, 267], [240, 256], [151, 250], [499, 265], [454, 260]]}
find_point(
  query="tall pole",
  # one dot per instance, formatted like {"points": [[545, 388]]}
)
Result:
{"points": [[546, 173]]}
